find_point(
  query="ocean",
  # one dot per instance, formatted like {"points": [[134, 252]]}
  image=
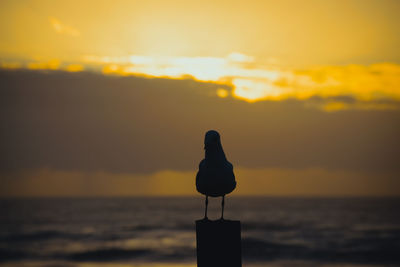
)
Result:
{"points": [[160, 231]]}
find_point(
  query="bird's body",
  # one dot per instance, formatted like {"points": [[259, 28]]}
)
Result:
{"points": [[215, 180], [215, 177]]}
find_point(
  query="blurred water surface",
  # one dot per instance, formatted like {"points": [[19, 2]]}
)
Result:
{"points": [[160, 231]]}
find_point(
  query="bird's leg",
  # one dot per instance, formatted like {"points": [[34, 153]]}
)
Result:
{"points": [[223, 205], [205, 215]]}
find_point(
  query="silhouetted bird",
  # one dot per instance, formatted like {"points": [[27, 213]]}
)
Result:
{"points": [[215, 177]]}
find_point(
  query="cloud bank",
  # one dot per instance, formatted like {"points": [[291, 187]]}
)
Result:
{"points": [[92, 122]]}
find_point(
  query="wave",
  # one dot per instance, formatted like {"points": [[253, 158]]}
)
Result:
{"points": [[269, 226], [12, 254], [357, 251], [111, 254], [41, 235], [175, 227]]}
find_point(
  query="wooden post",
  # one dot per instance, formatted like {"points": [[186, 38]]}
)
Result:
{"points": [[218, 243]]}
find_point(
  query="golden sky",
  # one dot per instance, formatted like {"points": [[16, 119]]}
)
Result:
{"points": [[265, 49], [337, 61], [291, 33]]}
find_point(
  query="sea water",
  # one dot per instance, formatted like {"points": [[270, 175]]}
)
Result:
{"points": [[160, 231]]}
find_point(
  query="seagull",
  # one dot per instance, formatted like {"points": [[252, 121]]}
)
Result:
{"points": [[215, 177]]}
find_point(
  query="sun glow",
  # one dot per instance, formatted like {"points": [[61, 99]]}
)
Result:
{"points": [[250, 83]]}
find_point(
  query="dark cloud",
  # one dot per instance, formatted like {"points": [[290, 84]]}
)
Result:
{"points": [[347, 99], [91, 122]]}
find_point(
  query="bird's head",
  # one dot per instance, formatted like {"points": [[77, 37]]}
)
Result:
{"points": [[212, 139]]}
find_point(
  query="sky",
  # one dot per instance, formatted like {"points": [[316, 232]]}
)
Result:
{"points": [[104, 98]]}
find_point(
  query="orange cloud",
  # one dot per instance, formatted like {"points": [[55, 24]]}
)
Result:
{"points": [[10, 65], [252, 82], [53, 64], [74, 68], [222, 92]]}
